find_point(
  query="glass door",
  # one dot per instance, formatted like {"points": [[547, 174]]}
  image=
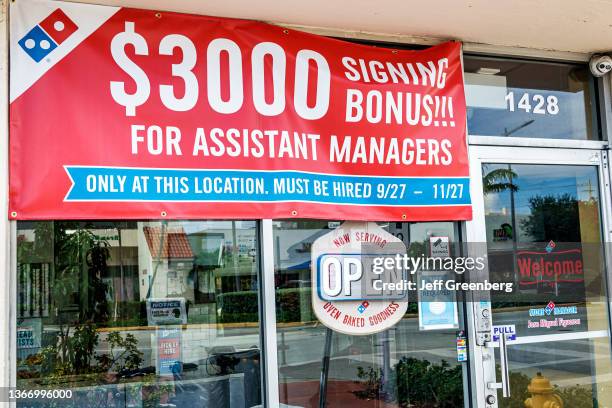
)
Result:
{"points": [[539, 217]]}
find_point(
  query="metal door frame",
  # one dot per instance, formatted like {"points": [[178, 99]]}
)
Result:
{"points": [[482, 367]]}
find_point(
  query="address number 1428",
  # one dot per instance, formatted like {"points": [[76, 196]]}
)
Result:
{"points": [[533, 103]]}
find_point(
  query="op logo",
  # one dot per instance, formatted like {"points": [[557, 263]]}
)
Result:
{"points": [[41, 40], [343, 296]]}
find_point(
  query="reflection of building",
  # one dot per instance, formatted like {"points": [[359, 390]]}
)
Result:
{"points": [[194, 264], [293, 247], [165, 262], [224, 259]]}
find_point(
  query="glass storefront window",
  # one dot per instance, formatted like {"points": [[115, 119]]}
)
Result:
{"points": [[139, 314], [400, 367], [530, 99]]}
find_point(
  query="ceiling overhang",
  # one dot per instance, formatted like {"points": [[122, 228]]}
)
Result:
{"points": [[566, 26]]}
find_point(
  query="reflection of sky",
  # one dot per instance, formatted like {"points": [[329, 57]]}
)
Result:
{"points": [[569, 123], [580, 182]]}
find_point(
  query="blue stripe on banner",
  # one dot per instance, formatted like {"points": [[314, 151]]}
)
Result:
{"points": [[135, 184]]}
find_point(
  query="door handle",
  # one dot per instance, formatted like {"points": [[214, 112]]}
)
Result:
{"points": [[505, 375]]}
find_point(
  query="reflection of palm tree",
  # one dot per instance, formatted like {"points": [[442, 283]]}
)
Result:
{"points": [[499, 180]]}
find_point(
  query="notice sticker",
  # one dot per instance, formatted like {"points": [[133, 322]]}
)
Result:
{"points": [[439, 247]]}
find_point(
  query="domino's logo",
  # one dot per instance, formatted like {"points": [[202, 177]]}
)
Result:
{"points": [[363, 306], [550, 307], [47, 35]]}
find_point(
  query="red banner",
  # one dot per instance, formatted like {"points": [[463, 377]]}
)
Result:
{"points": [[125, 113]]}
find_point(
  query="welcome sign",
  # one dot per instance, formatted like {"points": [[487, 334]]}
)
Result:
{"points": [[125, 113]]}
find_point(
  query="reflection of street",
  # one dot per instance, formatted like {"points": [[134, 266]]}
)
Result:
{"points": [[301, 350], [198, 341], [361, 374], [565, 363]]}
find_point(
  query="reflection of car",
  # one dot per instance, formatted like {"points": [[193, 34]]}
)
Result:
{"points": [[296, 283]]}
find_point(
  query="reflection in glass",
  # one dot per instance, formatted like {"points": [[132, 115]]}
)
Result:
{"points": [[544, 234], [576, 370], [139, 314], [517, 98], [401, 367]]}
